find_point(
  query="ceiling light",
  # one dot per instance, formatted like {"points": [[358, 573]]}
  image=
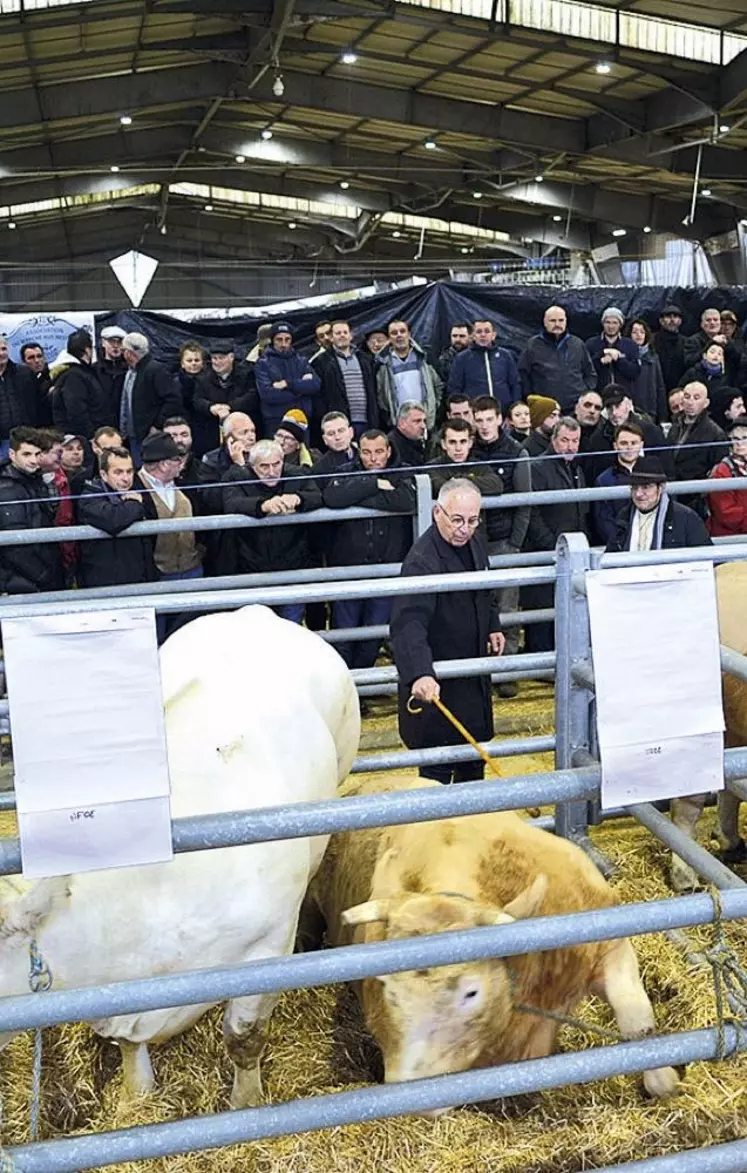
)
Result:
{"points": [[528, 239], [11, 223], [430, 144], [476, 195], [292, 224], [344, 184], [539, 179], [603, 67], [706, 191], [618, 232], [465, 249], [208, 207], [397, 235], [125, 120], [278, 86], [557, 219], [163, 230], [241, 158], [266, 134], [349, 57], [724, 128], [114, 167], [647, 228]]}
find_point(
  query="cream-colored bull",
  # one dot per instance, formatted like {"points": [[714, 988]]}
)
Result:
{"points": [[462, 873]]}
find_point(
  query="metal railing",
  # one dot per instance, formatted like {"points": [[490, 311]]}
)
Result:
{"points": [[571, 787]]}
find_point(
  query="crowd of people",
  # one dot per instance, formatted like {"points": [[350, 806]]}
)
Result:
{"points": [[112, 437]]}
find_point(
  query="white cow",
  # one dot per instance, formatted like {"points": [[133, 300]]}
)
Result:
{"points": [[259, 712]]}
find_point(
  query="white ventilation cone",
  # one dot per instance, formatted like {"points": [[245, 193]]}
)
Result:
{"points": [[134, 271]]}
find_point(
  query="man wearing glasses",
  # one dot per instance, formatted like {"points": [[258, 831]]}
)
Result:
{"points": [[454, 625]]}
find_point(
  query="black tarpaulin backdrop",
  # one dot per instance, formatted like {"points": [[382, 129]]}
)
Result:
{"points": [[431, 309]]}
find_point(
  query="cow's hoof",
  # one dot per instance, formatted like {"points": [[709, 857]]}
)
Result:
{"points": [[661, 1083], [735, 854], [683, 878]]}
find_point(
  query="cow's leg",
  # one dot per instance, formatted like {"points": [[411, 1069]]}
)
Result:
{"points": [[685, 815], [732, 844], [620, 985], [245, 1033], [136, 1068]]}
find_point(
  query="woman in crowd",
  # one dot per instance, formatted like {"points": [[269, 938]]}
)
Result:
{"points": [[728, 509], [518, 421], [648, 390], [711, 370]]}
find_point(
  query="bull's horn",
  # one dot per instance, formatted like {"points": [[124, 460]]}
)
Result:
{"points": [[528, 902], [368, 913]]}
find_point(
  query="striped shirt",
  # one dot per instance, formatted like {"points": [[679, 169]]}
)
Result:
{"points": [[355, 388]]}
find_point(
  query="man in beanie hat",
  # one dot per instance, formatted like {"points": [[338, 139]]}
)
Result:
{"points": [[555, 363], [544, 413], [285, 379], [292, 435], [177, 555], [653, 521], [670, 346], [80, 403], [615, 358]]}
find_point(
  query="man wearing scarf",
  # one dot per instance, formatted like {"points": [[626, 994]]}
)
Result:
{"points": [[653, 521]]}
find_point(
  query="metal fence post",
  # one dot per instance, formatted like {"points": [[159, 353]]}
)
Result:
{"points": [[424, 508], [572, 645]]}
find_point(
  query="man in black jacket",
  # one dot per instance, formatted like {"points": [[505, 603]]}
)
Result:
{"points": [[109, 503], [671, 346], [699, 443], [506, 528], [653, 521], [223, 388], [453, 625], [712, 330], [25, 504], [547, 522], [264, 491], [340, 447], [408, 437], [618, 406], [194, 472], [370, 540], [19, 404], [348, 381], [149, 396], [457, 442], [111, 367], [80, 401]]}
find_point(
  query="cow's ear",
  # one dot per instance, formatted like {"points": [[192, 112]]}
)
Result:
{"points": [[528, 902], [366, 914], [25, 912]]}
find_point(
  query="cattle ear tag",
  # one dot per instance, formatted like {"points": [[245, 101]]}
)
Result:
{"points": [[527, 903], [366, 914]]}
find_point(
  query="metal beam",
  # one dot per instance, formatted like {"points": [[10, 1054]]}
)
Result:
{"points": [[733, 83]]}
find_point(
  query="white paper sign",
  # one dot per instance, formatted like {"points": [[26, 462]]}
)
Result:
{"points": [[88, 732], [84, 839], [655, 647]]}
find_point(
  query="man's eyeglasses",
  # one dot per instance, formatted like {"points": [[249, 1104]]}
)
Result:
{"points": [[463, 522]]}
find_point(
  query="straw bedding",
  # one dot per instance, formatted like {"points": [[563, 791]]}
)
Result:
{"points": [[318, 1045]]}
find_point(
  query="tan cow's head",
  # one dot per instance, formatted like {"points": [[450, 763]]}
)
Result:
{"points": [[438, 1021]]}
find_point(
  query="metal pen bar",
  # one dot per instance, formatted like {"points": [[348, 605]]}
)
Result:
{"points": [[236, 828], [363, 1104], [720, 1158], [380, 631], [356, 962], [733, 663], [456, 669], [410, 758], [726, 552], [705, 864], [583, 674], [18, 607]]}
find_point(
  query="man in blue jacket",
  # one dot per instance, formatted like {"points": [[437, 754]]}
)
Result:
{"points": [[285, 380], [485, 369], [615, 358]]}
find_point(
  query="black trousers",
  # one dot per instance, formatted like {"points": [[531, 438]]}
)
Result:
{"points": [[449, 772]]}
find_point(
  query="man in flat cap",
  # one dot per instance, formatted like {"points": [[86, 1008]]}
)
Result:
{"points": [[111, 368]]}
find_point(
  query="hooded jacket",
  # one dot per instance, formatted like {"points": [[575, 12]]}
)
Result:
{"points": [[80, 403], [302, 390], [485, 370], [430, 382]]}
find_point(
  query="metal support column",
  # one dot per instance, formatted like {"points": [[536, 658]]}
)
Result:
{"points": [[424, 507], [572, 699]]}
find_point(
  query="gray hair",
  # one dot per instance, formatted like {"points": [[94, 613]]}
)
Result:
{"points": [[137, 343], [457, 485], [408, 406], [265, 450], [567, 422], [232, 418]]}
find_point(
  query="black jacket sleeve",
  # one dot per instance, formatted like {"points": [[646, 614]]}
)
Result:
{"points": [[110, 513], [411, 618]]}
